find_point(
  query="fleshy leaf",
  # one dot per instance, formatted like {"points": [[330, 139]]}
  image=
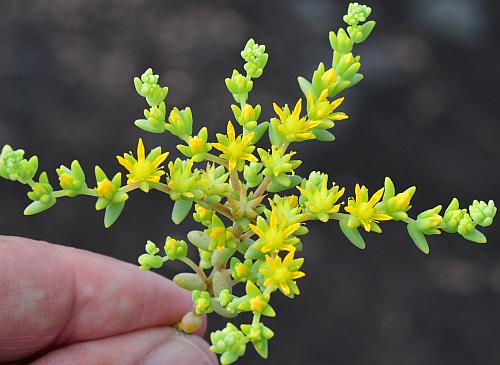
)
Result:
{"points": [[323, 135], [304, 85], [475, 236], [37, 207], [352, 234], [112, 213], [418, 238], [181, 210]]}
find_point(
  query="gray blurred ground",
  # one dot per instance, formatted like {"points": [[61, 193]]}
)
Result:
{"points": [[426, 114]]}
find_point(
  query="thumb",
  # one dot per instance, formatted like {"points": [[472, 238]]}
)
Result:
{"points": [[155, 346]]}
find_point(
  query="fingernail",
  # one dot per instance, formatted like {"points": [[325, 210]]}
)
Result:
{"points": [[178, 350]]}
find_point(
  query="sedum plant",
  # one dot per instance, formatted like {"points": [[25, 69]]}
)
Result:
{"points": [[251, 205]]}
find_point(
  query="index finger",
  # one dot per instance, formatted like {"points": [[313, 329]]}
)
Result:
{"points": [[52, 295]]}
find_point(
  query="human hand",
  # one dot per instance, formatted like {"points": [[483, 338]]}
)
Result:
{"points": [[60, 305]]}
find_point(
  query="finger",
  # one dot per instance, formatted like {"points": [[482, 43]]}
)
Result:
{"points": [[155, 346], [53, 295]]}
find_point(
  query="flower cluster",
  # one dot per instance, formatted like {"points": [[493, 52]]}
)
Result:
{"points": [[251, 203]]}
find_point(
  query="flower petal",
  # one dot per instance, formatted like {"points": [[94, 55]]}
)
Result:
{"points": [[140, 151]]}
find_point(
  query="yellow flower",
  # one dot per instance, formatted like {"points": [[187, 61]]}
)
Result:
{"points": [[105, 189], [363, 210], [282, 274], [220, 235], [291, 125], [236, 150], [274, 236], [144, 169], [196, 144], [66, 180], [241, 270], [321, 110]]}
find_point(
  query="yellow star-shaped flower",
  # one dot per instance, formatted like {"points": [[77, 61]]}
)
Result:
{"points": [[282, 274], [144, 169], [291, 125], [275, 236], [363, 210], [235, 149]]}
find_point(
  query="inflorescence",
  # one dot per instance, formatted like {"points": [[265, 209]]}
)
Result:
{"points": [[252, 230]]}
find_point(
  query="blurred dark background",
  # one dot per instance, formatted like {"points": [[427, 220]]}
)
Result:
{"points": [[426, 114]]}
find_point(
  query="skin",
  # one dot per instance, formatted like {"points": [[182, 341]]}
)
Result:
{"points": [[61, 305]]}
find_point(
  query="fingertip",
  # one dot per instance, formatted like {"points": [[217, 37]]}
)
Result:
{"points": [[155, 346], [80, 295], [181, 349]]}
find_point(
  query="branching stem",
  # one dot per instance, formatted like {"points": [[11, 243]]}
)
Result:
{"points": [[262, 187], [198, 270]]}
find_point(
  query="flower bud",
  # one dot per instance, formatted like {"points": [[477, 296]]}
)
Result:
{"points": [[197, 146], [230, 343], [255, 57], [225, 297], [72, 180], [259, 335], [147, 87], [357, 13], [398, 205], [239, 86], [429, 224], [483, 213], [155, 119], [241, 270], [180, 122], [466, 225], [15, 167], [150, 262], [428, 221], [322, 80], [451, 220], [175, 249], [191, 322], [341, 42], [205, 258], [248, 116], [202, 302], [42, 196], [151, 248]]}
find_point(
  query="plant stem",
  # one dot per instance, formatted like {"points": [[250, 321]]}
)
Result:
{"points": [[195, 268], [63, 193], [256, 318], [235, 181], [217, 206], [209, 279], [129, 187], [216, 159], [160, 187], [222, 209], [262, 187], [339, 216], [246, 235]]}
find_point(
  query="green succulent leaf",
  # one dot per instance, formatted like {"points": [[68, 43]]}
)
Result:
{"points": [[112, 213], [418, 238], [181, 210], [352, 234]]}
